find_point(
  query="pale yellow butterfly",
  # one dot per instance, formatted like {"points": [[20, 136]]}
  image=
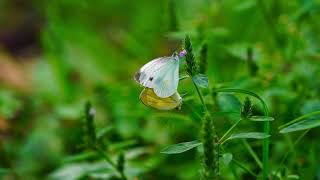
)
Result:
{"points": [[149, 98]]}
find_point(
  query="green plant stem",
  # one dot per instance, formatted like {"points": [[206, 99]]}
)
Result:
{"points": [[299, 119], [214, 134], [287, 154], [192, 109], [200, 96], [210, 150], [56, 58], [108, 159], [172, 15], [246, 144], [270, 22], [244, 168], [234, 172], [235, 162], [252, 153], [222, 113], [290, 143], [224, 137], [266, 128]]}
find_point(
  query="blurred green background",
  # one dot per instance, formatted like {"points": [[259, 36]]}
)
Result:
{"points": [[56, 55]]}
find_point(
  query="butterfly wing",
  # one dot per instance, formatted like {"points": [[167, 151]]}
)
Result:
{"points": [[161, 74], [167, 81], [150, 99], [146, 74]]}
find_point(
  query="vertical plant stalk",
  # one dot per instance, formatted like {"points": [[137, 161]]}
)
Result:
{"points": [[266, 127], [200, 96], [244, 168], [265, 147], [121, 164], [53, 46], [203, 65], [237, 163], [90, 129], [91, 139], [252, 66], [209, 137], [270, 22], [191, 65], [288, 153], [210, 145], [173, 21], [245, 113], [252, 153], [234, 172], [192, 68]]}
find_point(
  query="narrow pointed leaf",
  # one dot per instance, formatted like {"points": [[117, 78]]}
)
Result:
{"points": [[293, 176], [181, 147], [302, 125], [261, 118], [80, 157], [104, 131], [249, 135]]}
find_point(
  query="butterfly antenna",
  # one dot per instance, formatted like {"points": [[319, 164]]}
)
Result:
{"points": [[177, 49]]}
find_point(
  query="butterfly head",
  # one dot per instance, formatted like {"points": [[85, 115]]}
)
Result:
{"points": [[181, 54]]}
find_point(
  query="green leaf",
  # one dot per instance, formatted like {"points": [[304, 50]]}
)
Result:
{"points": [[122, 145], [4, 171], [310, 106], [181, 147], [302, 125], [74, 171], [261, 118], [104, 131], [80, 157], [293, 176], [249, 135], [229, 103], [226, 158], [313, 115], [238, 50], [201, 80]]}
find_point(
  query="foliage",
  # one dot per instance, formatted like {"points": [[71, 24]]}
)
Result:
{"points": [[251, 74]]}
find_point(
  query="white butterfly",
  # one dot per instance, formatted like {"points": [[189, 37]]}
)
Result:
{"points": [[161, 75]]}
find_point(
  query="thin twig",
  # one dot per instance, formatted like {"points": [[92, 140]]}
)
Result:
{"points": [[200, 96], [108, 159]]}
